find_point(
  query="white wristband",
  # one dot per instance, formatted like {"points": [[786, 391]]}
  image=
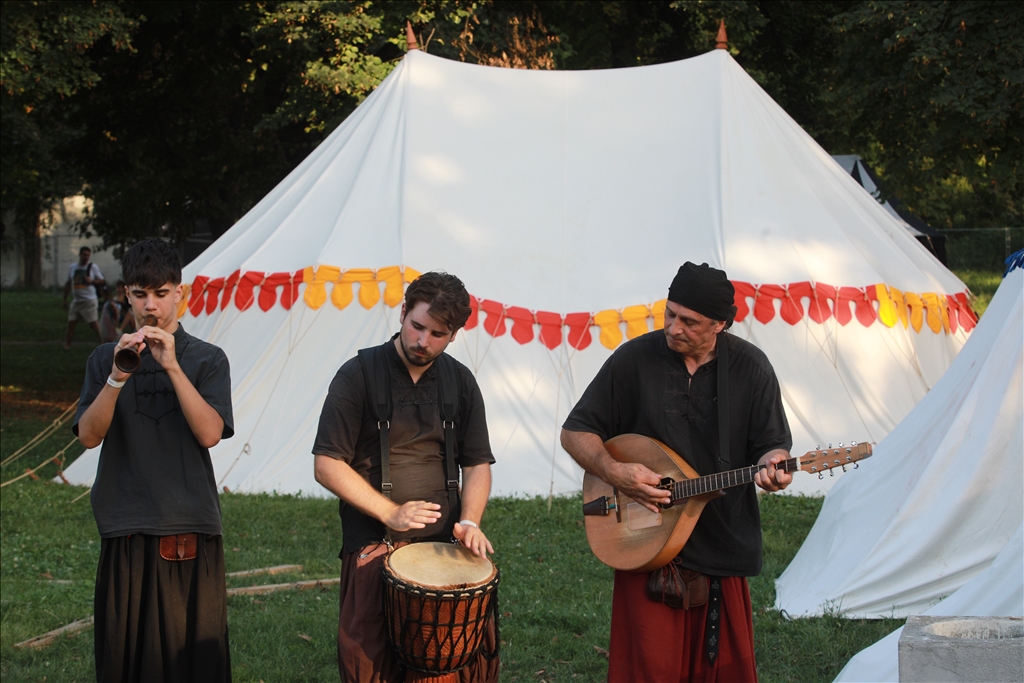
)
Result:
{"points": [[114, 383], [469, 522]]}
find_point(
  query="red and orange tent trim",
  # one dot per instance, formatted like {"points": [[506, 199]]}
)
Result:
{"points": [[819, 302]]}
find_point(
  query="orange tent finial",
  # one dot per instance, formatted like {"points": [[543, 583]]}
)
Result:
{"points": [[410, 37], [722, 41]]}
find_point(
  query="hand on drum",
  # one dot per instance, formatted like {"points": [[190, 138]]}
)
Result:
{"points": [[416, 514], [473, 539]]}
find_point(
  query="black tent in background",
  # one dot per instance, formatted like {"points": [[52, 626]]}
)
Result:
{"points": [[933, 240]]}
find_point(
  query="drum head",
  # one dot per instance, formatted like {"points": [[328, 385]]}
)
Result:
{"points": [[440, 565]]}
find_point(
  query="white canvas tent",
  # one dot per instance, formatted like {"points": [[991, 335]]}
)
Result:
{"points": [[998, 591], [940, 498], [566, 201]]}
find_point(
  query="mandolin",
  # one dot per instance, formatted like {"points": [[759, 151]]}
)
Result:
{"points": [[627, 536]]}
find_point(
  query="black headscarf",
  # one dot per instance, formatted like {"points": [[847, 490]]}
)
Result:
{"points": [[704, 289]]}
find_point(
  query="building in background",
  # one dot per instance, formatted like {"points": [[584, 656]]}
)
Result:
{"points": [[59, 243]]}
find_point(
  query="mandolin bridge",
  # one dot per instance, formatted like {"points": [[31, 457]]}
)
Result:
{"points": [[599, 506]]}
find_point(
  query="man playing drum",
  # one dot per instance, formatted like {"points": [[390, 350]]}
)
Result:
{"points": [[403, 491], [673, 385]]}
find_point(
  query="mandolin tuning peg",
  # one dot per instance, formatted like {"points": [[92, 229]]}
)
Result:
{"points": [[821, 475], [831, 473], [817, 447], [856, 465], [840, 444], [844, 468]]}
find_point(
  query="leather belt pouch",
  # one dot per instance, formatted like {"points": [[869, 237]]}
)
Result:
{"points": [[677, 587], [178, 547]]}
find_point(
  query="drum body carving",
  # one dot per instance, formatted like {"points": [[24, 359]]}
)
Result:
{"points": [[438, 600]]}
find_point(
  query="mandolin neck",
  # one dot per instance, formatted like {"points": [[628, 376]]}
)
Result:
{"points": [[687, 488]]}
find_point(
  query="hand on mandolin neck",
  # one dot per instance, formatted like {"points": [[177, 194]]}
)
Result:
{"points": [[769, 477]]}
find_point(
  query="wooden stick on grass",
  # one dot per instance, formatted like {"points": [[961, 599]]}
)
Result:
{"points": [[276, 587], [47, 638], [82, 624], [279, 569]]}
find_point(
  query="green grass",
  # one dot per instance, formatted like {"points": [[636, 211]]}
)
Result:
{"points": [[36, 315], [555, 597], [800, 649], [983, 284]]}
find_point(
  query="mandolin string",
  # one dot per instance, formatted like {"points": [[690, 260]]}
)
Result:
{"points": [[688, 488]]}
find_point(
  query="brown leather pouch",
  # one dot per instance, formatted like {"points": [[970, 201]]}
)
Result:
{"points": [[677, 587], [179, 547]]}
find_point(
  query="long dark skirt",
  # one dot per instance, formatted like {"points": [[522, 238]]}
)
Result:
{"points": [[158, 620]]}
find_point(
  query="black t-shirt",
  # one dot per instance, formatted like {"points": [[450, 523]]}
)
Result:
{"points": [[645, 388], [348, 431], [153, 476]]}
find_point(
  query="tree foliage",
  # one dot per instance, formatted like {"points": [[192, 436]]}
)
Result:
{"points": [[173, 115], [936, 89], [331, 48], [172, 142], [45, 61]]}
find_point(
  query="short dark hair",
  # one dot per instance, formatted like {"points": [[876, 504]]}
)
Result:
{"points": [[444, 294], [151, 263], [84, 249]]}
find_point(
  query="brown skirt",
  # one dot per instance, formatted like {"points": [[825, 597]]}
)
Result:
{"points": [[364, 655], [158, 620]]}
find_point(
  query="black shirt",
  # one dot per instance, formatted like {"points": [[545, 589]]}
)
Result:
{"points": [[348, 431], [645, 388], [153, 476]]}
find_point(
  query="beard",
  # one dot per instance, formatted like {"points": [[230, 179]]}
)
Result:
{"points": [[418, 361]]}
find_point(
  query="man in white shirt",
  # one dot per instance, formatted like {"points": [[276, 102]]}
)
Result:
{"points": [[82, 280]]}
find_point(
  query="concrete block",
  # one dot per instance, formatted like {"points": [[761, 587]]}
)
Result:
{"points": [[940, 649]]}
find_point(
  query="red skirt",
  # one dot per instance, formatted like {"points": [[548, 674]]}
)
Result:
{"points": [[654, 643]]}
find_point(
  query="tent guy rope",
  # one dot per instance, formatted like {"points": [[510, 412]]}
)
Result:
{"points": [[43, 435]]}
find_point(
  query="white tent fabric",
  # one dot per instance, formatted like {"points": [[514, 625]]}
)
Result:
{"points": [[941, 496], [563, 192], [996, 592]]}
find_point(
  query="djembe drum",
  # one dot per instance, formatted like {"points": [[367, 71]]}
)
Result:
{"points": [[438, 600]]}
